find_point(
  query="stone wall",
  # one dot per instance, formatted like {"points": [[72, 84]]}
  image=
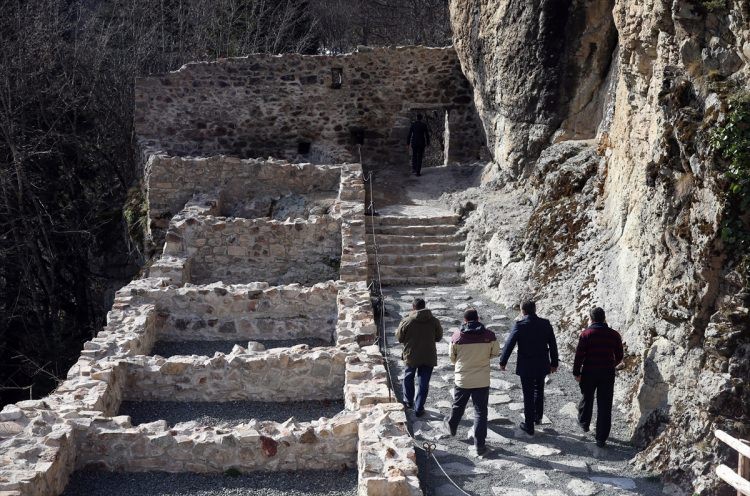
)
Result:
{"points": [[43, 441], [173, 181], [280, 374], [243, 311], [268, 105], [240, 250], [113, 444]]}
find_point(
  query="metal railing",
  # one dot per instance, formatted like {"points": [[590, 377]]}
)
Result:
{"points": [[738, 480]]}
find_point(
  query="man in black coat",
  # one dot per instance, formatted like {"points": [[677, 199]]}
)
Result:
{"points": [[418, 139], [598, 353], [537, 357]]}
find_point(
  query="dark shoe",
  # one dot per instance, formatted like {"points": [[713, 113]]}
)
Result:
{"points": [[448, 429], [419, 413], [419, 174], [538, 422], [408, 406], [526, 429], [480, 450], [584, 427], [601, 444]]}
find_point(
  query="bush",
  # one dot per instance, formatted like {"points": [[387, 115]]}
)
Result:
{"points": [[731, 140]]}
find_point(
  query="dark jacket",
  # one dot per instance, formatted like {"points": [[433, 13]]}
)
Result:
{"points": [[537, 347], [599, 350], [419, 135], [418, 333]]}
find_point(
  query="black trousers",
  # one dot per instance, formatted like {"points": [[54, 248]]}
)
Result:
{"points": [[480, 397], [417, 154], [602, 386], [533, 399]]}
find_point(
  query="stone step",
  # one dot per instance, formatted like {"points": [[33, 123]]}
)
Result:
{"points": [[442, 279], [398, 220], [400, 239], [429, 270], [385, 249], [412, 258], [417, 230]]}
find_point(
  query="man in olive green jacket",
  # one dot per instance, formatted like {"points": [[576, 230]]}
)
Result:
{"points": [[418, 333]]}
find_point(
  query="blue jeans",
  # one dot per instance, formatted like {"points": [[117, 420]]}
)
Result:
{"points": [[480, 397], [423, 373]]}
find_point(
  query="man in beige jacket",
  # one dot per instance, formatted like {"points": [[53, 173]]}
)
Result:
{"points": [[471, 348]]}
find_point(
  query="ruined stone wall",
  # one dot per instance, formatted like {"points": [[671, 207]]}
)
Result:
{"points": [[275, 375], [629, 220], [237, 250], [78, 427], [266, 105], [244, 311], [173, 181]]}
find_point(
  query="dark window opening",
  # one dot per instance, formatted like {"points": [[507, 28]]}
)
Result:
{"points": [[337, 77], [358, 136], [303, 147]]}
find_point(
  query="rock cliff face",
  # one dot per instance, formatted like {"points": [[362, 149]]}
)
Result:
{"points": [[599, 116]]}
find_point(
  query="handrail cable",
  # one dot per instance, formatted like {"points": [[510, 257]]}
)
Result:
{"points": [[382, 339]]}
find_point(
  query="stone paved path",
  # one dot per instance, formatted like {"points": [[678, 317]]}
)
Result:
{"points": [[559, 460]]}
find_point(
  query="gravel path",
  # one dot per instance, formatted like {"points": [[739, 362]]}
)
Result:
{"points": [[559, 460], [228, 413], [308, 483], [208, 348]]}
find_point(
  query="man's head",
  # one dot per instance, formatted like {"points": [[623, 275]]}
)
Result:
{"points": [[418, 304], [420, 117], [528, 307], [597, 315], [471, 315]]}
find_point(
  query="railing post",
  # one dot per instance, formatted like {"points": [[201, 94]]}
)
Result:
{"points": [[743, 469]]}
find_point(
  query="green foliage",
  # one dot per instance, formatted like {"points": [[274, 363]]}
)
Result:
{"points": [[731, 140], [713, 5]]}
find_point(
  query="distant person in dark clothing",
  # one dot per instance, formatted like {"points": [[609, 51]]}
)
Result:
{"points": [[599, 351], [537, 357], [418, 333], [418, 139]]}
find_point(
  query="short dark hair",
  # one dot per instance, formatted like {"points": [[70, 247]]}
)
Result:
{"points": [[471, 314], [528, 307], [597, 315], [418, 303], [419, 117]]}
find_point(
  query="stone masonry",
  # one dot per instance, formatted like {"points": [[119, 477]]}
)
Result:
{"points": [[290, 107], [78, 426]]}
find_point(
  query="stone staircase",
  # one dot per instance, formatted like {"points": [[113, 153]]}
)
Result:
{"points": [[416, 250]]}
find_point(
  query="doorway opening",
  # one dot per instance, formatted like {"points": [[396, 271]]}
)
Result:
{"points": [[435, 155]]}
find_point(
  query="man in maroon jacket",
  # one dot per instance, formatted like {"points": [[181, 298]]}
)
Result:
{"points": [[599, 351]]}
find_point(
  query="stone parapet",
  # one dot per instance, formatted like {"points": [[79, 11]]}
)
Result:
{"points": [[280, 374], [222, 183], [113, 444], [236, 250], [236, 312]]}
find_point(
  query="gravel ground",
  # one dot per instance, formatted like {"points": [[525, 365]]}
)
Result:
{"points": [[308, 483], [208, 348], [559, 460], [227, 413]]}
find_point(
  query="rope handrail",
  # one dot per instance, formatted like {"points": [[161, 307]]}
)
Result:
{"points": [[427, 447]]}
